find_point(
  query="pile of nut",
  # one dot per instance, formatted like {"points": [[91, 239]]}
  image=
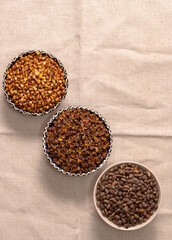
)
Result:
{"points": [[77, 140], [35, 82], [127, 195]]}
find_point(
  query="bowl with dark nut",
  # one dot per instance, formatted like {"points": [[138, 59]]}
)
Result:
{"points": [[127, 196], [35, 82], [77, 141]]}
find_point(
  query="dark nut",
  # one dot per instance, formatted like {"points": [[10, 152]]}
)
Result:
{"points": [[67, 148], [134, 198]]}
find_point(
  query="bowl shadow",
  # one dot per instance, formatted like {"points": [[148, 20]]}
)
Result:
{"points": [[103, 231], [63, 186], [23, 125]]}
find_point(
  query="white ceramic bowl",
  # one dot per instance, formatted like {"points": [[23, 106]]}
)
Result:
{"points": [[111, 223]]}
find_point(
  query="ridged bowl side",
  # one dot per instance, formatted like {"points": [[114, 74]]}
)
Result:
{"points": [[4, 83], [54, 164]]}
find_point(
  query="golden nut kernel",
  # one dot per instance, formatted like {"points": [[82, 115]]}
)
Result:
{"points": [[34, 77]]}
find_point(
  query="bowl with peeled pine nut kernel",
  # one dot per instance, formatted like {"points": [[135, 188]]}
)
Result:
{"points": [[35, 83]]}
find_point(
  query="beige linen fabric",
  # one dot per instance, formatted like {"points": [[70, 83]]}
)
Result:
{"points": [[118, 55]]}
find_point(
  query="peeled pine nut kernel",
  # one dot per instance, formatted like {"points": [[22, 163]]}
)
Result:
{"points": [[35, 82]]}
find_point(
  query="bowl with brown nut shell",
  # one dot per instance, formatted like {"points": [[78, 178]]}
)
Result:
{"points": [[35, 83], [77, 141], [127, 196]]}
